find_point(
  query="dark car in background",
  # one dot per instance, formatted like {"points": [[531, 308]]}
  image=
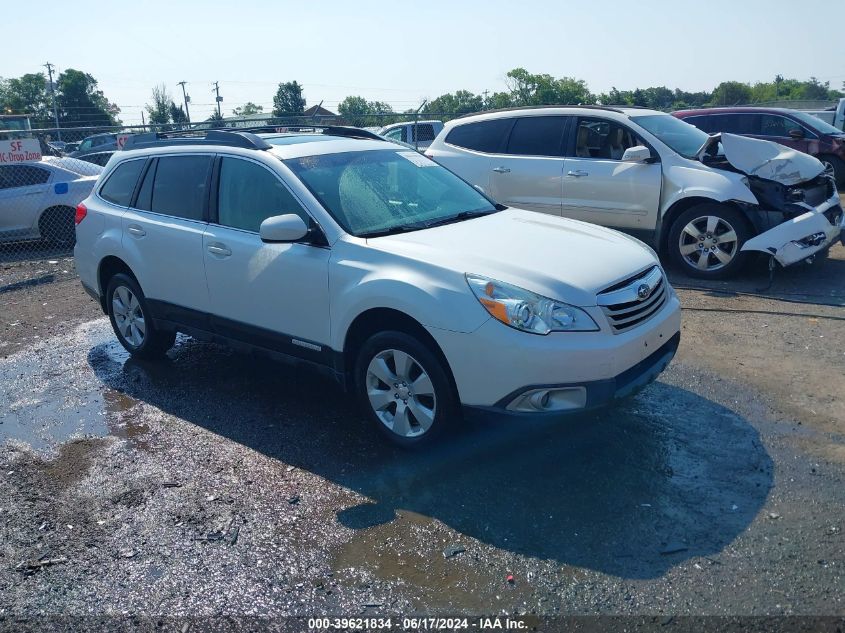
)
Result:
{"points": [[96, 143], [795, 129]]}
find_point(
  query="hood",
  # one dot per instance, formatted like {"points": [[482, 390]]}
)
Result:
{"points": [[767, 160], [563, 259]]}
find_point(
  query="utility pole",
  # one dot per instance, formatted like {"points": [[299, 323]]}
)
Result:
{"points": [[187, 99], [219, 98], [49, 68]]}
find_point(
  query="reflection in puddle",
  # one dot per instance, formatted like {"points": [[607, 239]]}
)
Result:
{"points": [[50, 395]]}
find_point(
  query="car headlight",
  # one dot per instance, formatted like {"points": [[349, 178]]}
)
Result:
{"points": [[528, 311]]}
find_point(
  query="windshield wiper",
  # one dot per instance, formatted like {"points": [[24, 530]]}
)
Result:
{"points": [[458, 217], [393, 230]]}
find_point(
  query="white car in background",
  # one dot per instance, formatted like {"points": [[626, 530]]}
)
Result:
{"points": [[38, 199], [371, 262], [418, 135], [706, 200]]}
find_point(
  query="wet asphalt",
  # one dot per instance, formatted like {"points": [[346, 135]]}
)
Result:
{"points": [[217, 483]]}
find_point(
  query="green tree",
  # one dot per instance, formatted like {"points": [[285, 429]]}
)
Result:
{"points": [[177, 114], [461, 102], [248, 108], [498, 100], [288, 100], [543, 89], [216, 120], [355, 110], [82, 103], [159, 109], [27, 95], [730, 93]]}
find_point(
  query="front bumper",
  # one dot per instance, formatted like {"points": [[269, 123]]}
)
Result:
{"points": [[496, 363], [599, 393], [803, 236]]}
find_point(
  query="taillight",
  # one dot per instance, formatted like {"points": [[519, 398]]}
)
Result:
{"points": [[81, 212]]}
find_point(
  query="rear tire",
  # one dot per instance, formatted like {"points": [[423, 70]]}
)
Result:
{"points": [[130, 318], [57, 226], [705, 241], [404, 389]]}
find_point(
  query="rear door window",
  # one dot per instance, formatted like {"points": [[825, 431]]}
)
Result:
{"points": [[537, 136], [178, 186], [121, 183], [736, 123], [482, 136], [13, 176]]}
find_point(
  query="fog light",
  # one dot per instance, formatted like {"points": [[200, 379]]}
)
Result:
{"points": [[811, 240], [550, 399]]}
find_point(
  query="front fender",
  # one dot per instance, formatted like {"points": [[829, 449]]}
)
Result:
{"points": [[692, 182], [444, 302]]}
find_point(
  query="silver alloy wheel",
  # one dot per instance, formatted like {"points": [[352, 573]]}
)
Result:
{"points": [[401, 393], [708, 243], [128, 316]]}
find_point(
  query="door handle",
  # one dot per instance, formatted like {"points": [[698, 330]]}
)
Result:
{"points": [[219, 249], [577, 173], [135, 231], [502, 170]]}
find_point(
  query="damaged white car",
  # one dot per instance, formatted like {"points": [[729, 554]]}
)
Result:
{"points": [[707, 201]]}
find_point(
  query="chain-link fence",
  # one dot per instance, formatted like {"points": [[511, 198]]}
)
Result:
{"points": [[45, 173]]}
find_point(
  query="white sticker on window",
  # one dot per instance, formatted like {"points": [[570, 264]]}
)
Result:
{"points": [[418, 159]]}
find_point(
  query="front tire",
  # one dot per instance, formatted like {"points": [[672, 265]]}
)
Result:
{"points": [[706, 240], [404, 388], [131, 321]]}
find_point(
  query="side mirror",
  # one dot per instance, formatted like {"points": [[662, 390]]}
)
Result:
{"points": [[283, 228], [638, 154], [796, 133]]}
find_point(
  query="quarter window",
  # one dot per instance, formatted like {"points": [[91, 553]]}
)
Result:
{"points": [[536, 136], [121, 184], [397, 134], [482, 136], [248, 194]]}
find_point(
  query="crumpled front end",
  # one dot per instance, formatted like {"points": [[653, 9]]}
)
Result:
{"points": [[804, 219]]}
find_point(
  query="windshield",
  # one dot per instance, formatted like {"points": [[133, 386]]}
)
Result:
{"points": [[815, 123], [682, 137], [383, 191]]}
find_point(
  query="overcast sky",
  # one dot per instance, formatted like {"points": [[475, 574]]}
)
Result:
{"points": [[403, 52]]}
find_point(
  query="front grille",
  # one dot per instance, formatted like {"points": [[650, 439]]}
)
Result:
{"points": [[623, 307]]}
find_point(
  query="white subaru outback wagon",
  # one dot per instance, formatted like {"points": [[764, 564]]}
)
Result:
{"points": [[378, 265]]}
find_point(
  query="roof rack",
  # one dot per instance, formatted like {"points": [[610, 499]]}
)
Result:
{"points": [[229, 138], [329, 130], [539, 107]]}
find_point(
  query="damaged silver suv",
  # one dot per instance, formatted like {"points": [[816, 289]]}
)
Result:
{"points": [[706, 201]]}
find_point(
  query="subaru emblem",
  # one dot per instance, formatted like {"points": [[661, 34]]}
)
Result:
{"points": [[643, 291]]}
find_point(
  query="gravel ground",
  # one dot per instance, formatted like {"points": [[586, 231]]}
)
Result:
{"points": [[220, 484]]}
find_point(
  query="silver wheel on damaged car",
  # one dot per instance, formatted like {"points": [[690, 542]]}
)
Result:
{"points": [[129, 316], [708, 243], [401, 393]]}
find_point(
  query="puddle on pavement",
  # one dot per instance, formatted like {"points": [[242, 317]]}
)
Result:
{"points": [[409, 550], [50, 394]]}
